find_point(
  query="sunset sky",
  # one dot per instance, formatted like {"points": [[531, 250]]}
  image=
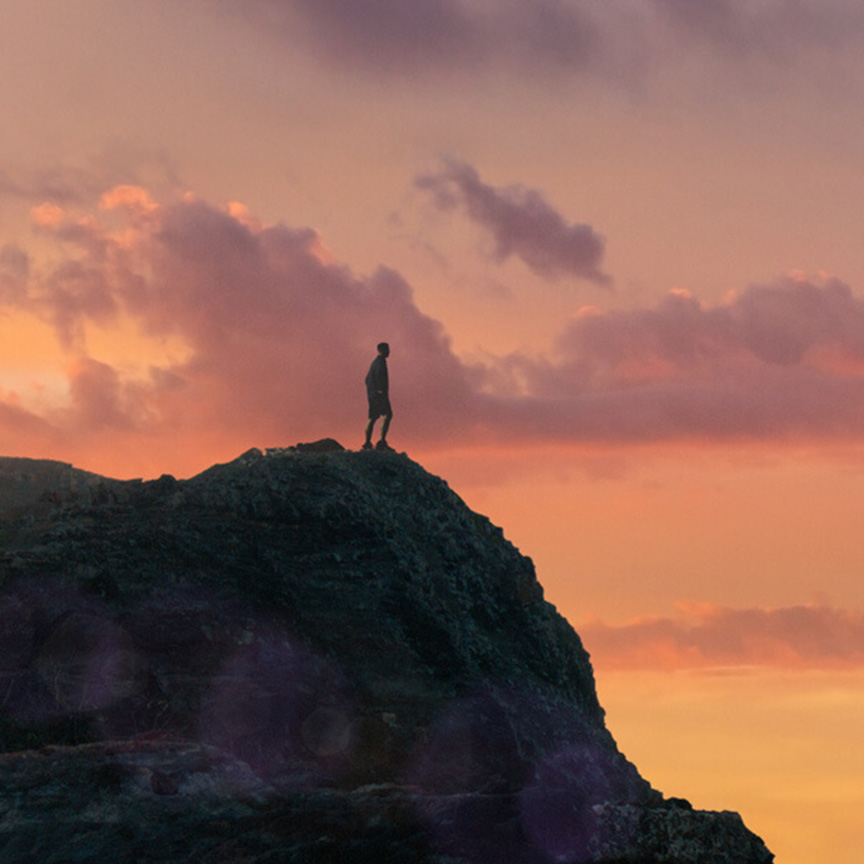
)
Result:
{"points": [[616, 250]]}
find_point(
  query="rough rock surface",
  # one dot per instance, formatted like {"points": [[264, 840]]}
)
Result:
{"points": [[302, 655]]}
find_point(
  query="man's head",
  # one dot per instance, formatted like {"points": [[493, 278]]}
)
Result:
{"points": [[383, 349]]}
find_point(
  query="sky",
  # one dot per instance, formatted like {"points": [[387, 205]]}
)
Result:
{"points": [[615, 249]]}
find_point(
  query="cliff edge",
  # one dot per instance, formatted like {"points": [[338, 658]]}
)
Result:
{"points": [[303, 655]]}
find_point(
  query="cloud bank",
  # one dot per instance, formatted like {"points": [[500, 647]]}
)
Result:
{"points": [[521, 223], [276, 338], [256, 334], [619, 40], [777, 30], [432, 37], [714, 636], [780, 361]]}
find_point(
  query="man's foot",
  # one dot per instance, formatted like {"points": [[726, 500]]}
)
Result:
{"points": [[367, 446], [383, 445]]}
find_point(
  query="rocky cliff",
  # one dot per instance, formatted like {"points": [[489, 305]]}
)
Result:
{"points": [[304, 655]]}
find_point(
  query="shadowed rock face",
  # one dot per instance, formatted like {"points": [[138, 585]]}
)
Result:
{"points": [[320, 621]]}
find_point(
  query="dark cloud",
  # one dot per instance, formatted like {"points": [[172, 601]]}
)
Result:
{"points": [[774, 30], [436, 36], [714, 636], [521, 222], [563, 37], [392, 34], [557, 35]]}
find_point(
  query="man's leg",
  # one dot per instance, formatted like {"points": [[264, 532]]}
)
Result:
{"points": [[369, 427], [385, 425]]}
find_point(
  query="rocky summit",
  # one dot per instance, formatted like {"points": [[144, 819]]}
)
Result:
{"points": [[304, 655]]}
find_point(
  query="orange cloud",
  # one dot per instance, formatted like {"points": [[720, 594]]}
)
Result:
{"points": [[127, 197], [47, 215], [708, 636]]}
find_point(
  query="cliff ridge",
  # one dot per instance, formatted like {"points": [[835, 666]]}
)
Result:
{"points": [[305, 654]]}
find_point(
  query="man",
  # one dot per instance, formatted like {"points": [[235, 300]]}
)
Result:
{"points": [[378, 391]]}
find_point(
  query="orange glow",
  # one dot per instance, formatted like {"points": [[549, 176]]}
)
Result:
{"points": [[47, 215], [637, 530], [239, 211], [125, 345], [782, 748], [133, 198], [27, 342]]}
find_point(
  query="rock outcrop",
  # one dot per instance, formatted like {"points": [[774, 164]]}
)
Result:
{"points": [[302, 655]]}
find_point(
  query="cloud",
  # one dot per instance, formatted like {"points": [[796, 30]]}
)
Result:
{"points": [[55, 185], [247, 333], [386, 37], [705, 636], [14, 270], [62, 185], [616, 40], [276, 337], [391, 34], [774, 30], [67, 185], [521, 222], [97, 393], [778, 361], [23, 431]]}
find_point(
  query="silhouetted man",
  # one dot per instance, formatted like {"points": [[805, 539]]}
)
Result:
{"points": [[378, 391]]}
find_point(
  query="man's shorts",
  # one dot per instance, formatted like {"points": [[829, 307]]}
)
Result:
{"points": [[379, 406]]}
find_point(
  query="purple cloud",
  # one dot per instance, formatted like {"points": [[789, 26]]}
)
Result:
{"points": [[775, 31], [615, 40], [707, 635], [392, 34], [777, 361], [387, 37], [521, 222]]}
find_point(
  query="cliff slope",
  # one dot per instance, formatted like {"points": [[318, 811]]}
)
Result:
{"points": [[302, 655]]}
